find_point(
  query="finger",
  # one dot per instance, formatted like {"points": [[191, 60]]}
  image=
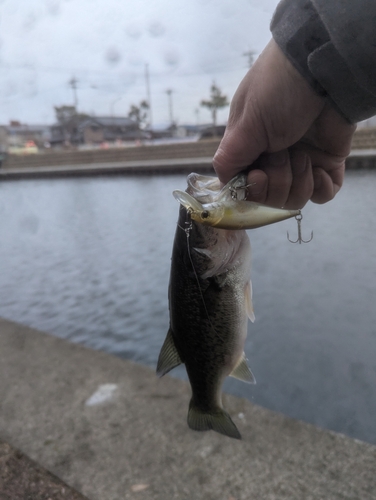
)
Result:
{"points": [[324, 187], [234, 153], [302, 180], [278, 170], [257, 189], [332, 164], [332, 133]]}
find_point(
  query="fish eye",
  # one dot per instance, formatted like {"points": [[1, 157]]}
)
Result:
{"points": [[204, 214]]}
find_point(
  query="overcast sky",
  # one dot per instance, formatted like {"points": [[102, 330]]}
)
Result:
{"points": [[106, 44]]}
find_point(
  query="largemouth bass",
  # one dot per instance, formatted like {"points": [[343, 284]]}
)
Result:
{"points": [[210, 293]]}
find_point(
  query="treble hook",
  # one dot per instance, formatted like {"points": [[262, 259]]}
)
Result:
{"points": [[299, 240], [235, 194]]}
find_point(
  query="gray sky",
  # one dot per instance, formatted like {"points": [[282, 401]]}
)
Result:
{"points": [[106, 44]]}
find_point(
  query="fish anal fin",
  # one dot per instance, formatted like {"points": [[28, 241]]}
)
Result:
{"points": [[248, 301], [243, 372], [218, 420], [168, 357]]}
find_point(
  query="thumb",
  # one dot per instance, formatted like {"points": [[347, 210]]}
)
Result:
{"points": [[236, 152]]}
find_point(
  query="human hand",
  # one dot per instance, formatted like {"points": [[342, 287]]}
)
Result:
{"points": [[294, 142]]}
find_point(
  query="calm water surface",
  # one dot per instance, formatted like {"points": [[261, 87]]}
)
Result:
{"points": [[88, 260]]}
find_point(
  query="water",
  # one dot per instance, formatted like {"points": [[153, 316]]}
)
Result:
{"points": [[88, 260]]}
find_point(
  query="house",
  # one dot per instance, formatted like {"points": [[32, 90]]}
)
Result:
{"points": [[15, 136], [174, 131], [97, 130]]}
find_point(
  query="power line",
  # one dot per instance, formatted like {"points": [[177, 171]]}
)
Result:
{"points": [[87, 71]]}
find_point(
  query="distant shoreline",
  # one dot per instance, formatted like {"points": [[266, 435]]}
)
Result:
{"points": [[154, 159]]}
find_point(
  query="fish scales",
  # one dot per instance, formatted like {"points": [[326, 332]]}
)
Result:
{"points": [[210, 303], [207, 313]]}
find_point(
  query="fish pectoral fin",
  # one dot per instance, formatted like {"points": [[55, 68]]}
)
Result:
{"points": [[219, 421], [187, 201], [168, 357], [243, 372], [203, 251], [248, 301]]}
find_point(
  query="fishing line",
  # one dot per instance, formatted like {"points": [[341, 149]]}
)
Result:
{"points": [[187, 231]]}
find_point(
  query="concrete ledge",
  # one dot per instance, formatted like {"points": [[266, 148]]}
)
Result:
{"points": [[130, 440], [358, 159], [173, 150], [361, 159], [125, 167]]}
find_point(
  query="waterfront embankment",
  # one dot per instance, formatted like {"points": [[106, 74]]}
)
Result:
{"points": [[146, 159], [163, 158], [112, 430]]}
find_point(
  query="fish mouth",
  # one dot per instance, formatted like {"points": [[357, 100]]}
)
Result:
{"points": [[226, 207], [208, 189], [204, 188]]}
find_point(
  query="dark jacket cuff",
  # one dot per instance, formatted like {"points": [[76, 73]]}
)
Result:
{"points": [[303, 38]]}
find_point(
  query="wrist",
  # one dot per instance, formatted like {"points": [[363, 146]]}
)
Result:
{"points": [[299, 32]]}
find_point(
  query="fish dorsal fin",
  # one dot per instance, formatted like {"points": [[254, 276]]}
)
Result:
{"points": [[248, 302], [168, 357], [187, 201], [242, 371]]}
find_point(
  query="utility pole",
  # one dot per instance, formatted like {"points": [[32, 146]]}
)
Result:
{"points": [[169, 94], [250, 55], [148, 95], [113, 104], [197, 113], [73, 83]]}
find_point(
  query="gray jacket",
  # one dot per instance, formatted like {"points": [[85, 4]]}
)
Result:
{"points": [[333, 45]]}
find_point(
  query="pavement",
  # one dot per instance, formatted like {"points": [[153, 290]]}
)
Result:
{"points": [[111, 430], [22, 478]]}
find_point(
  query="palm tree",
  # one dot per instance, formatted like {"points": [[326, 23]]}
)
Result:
{"points": [[217, 101]]}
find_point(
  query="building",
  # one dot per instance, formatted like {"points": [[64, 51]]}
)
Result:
{"points": [[16, 136], [91, 130], [101, 129]]}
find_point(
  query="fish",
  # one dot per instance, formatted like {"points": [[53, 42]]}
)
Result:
{"points": [[210, 293]]}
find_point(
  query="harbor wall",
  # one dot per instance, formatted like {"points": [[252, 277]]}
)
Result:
{"points": [[162, 158]]}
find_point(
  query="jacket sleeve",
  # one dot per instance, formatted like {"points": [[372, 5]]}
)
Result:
{"points": [[333, 45]]}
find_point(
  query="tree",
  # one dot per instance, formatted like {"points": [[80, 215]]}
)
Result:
{"points": [[217, 101], [68, 119], [140, 114], [65, 114]]}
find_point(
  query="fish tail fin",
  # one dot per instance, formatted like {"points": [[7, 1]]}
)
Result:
{"points": [[218, 420]]}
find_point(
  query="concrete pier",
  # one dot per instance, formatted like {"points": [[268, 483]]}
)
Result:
{"points": [[183, 158], [111, 430], [141, 167]]}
